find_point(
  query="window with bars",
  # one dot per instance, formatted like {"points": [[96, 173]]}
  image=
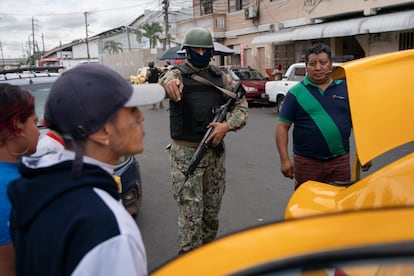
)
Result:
{"points": [[284, 55], [406, 41], [206, 7], [236, 5]]}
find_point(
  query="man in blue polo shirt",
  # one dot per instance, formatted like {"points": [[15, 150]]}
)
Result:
{"points": [[319, 109]]}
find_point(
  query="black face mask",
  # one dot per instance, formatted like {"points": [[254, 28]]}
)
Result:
{"points": [[198, 60]]}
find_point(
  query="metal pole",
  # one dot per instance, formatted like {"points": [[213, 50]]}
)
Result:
{"points": [[167, 33], [2, 57], [34, 47], [86, 29], [129, 40], [30, 50]]}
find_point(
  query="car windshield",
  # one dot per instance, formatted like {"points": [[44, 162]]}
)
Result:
{"points": [[40, 91], [249, 75]]}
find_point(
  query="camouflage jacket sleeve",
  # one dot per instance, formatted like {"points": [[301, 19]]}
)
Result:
{"points": [[170, 75], [237, 117]]}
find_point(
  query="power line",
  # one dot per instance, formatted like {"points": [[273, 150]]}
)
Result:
{"points": [[70, 13]]}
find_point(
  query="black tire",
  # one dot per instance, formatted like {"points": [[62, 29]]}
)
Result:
{"points": [[279, 103]]}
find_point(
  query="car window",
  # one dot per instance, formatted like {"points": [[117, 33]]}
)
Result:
{"points": [[299, 74], [249, 75], [243, 75], [40, 92], [256, 75]]}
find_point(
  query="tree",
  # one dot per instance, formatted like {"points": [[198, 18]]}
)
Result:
{"points": [[113, 47], [152, 31]]}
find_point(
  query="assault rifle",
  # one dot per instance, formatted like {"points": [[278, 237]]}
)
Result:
{"points": [[219, 117]]}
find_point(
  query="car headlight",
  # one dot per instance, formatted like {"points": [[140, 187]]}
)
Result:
{"points": [[250, 89]]}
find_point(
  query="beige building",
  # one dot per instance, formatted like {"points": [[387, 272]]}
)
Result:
{"points": [[264, 33]]}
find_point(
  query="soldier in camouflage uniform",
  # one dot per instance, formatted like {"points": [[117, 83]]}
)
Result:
{"points": [[192, 106]]}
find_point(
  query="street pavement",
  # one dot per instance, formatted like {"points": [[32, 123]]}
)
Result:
{"points": [[256, 191]]}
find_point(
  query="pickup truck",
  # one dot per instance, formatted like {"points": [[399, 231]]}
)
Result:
{"points": [[276, 90]]}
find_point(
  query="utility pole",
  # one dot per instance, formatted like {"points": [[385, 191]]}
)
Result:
{"points": [[34, 48], [129, 40], [86, 28], [43, 44], [2, 57], [165, 7], [30, 50]]}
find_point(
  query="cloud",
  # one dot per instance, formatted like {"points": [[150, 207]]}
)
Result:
{"points": [[58, 21]]}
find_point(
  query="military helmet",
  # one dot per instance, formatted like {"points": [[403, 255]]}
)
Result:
{"points": [[198, 38]]}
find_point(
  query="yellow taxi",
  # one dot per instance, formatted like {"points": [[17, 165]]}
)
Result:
{"points": [[140, 77], [364, 227]]}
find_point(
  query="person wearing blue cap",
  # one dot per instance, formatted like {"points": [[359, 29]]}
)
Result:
{"points": [[67, 217]]}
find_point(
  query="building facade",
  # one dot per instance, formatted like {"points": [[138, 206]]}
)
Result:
{"points": [[264, 33]]}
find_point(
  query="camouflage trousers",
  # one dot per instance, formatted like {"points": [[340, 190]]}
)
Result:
{"points": [[199, 198]]}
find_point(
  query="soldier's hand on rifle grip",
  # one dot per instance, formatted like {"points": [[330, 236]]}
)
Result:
{"points": [[174, 89], [219, 131]]}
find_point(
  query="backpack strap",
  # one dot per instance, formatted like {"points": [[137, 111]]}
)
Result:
{"points": [[322, 119], [185, 69], [188, 71], [229, 93]]}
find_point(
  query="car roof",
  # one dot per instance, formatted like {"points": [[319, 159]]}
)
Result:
{"points": [[27, 76], [29, 80], [296, 242]]}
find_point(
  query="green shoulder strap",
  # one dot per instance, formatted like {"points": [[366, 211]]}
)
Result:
{"points": [[321, 118]]}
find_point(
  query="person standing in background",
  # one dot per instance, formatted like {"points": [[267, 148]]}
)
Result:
{"points": [[277, 73], [18, 137], [153, 76]]}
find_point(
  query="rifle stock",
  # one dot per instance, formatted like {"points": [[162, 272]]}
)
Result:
{"points": [[219, 117]]}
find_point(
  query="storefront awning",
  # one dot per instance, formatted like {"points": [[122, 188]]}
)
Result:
{"points": [[284, 35], [372, 24], [389, 22]]}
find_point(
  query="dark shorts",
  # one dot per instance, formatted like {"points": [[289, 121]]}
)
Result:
{"points": [[336, 169]]}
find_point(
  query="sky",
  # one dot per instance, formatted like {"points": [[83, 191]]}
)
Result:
{"points": [[62, 21]]}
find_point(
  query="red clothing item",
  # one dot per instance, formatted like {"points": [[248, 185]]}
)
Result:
{"points": [[330, 170], [55, 137]]}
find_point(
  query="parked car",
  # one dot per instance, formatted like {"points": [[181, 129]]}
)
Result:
{"points": [[140, 77], [252, 80], [277, 90], [363, 227], [39, 84]]}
